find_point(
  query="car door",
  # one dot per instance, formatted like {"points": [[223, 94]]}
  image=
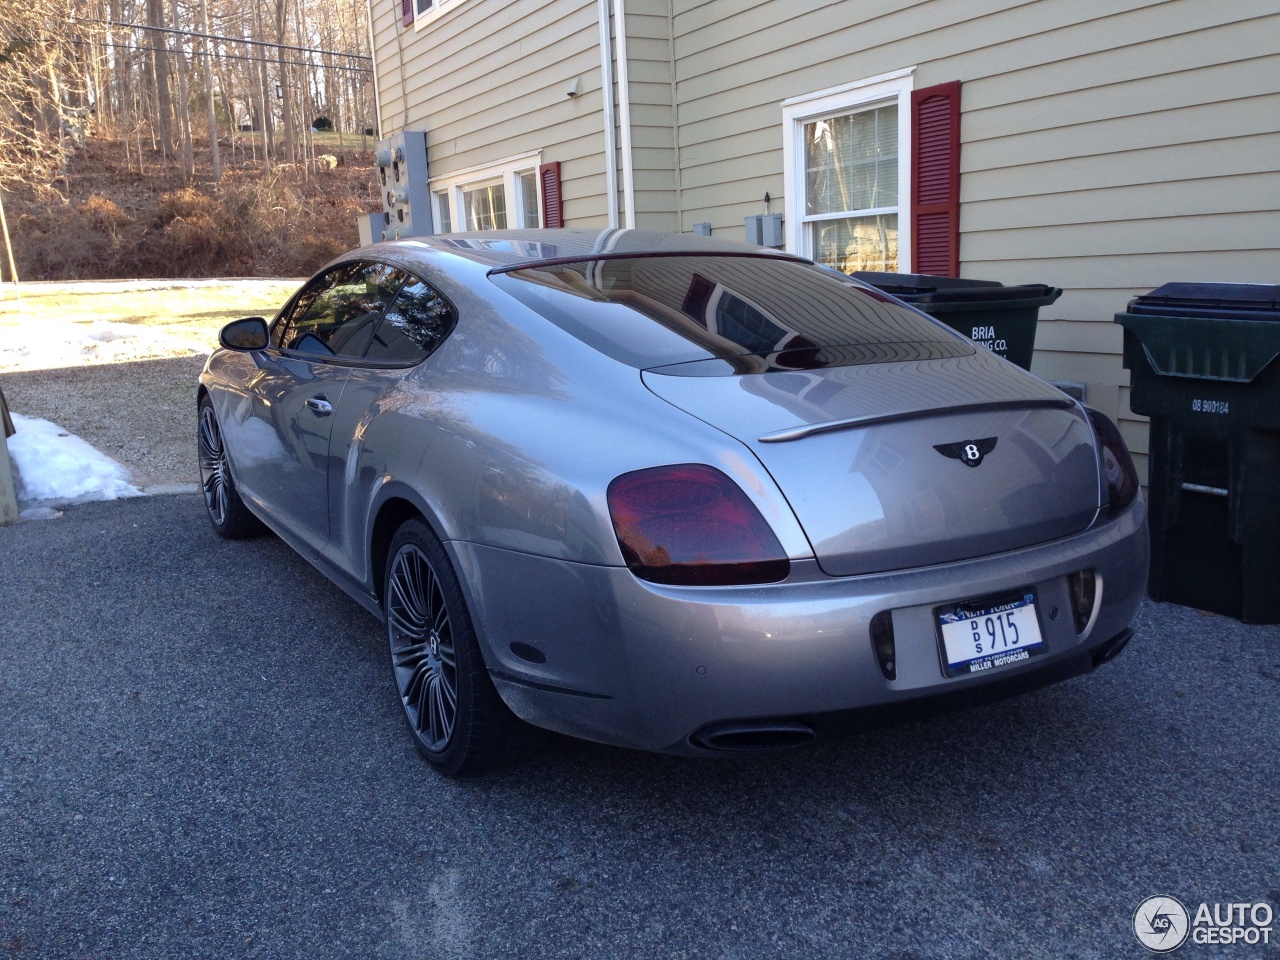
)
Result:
{"points": [[281, 449], [412, 327]]}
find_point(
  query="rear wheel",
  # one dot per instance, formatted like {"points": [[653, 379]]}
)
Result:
{"points": [[458, 721], [227, 512]]}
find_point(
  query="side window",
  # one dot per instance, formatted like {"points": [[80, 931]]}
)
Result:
{"points": [[337, 318], [413, 325], [280, 329]]}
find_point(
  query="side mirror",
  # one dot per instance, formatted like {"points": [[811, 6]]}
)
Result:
{"points": [[247, 334]]}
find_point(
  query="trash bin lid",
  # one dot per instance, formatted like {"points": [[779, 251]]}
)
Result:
{"points": [[922, 288], [1209, 331], [1220, 301], [903, 283]]}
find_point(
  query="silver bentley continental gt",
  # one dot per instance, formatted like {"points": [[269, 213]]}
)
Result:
{"points": [[669, 493]]}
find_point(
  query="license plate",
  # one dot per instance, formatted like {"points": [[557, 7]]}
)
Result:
{"points": [[988, 634]]}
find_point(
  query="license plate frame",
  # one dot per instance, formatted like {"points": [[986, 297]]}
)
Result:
{"points": [[1010, 614]]}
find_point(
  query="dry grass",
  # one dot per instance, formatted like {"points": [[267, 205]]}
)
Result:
{"points": [[150, 304], [119, 222]]}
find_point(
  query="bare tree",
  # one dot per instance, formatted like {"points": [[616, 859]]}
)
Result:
{"points": [[132, 68], [215, 157], [159, 44]]}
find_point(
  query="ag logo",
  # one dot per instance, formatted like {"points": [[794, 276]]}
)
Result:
{"points": [[968, 452], [1161, 924]]}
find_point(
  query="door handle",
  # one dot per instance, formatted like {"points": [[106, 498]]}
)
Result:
{"points": [[320, 406]]}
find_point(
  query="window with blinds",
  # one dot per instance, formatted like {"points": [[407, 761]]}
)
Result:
{"points": [[851, 189]]}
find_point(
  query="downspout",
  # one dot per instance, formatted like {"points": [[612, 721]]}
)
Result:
{"points": [[624, 115], [399, 28], [377, 99], [606, 91]]}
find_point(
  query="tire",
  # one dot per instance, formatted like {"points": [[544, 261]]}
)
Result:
{"points": [[458, 721], [227, 512]]}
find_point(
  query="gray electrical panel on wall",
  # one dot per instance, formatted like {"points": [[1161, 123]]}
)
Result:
{"points": [[765, 231], [402, 176]]}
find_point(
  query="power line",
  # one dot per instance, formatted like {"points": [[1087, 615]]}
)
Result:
{"points": [[238, 56], [214, 36]]}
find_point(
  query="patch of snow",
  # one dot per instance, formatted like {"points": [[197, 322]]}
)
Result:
{"points": [[105, 331], [47, 346], [52, 464]]}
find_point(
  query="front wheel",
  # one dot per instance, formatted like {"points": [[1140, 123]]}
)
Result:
{"points": [[227, 512], [458, 721]]}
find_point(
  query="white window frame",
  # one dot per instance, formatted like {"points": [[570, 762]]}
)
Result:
{"points": [[438, 9], [519, 210], [882, 90], [503, 171], [436, 214]]}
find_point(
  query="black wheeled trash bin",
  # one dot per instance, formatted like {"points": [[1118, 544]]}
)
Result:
{"points": [[1002, 319], [1203, 361]]}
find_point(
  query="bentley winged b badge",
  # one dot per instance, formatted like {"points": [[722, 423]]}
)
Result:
{"points": [[968, 452]]}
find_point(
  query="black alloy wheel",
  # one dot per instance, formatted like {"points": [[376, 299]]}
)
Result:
{"points": [[458, 721], [227, 512]]}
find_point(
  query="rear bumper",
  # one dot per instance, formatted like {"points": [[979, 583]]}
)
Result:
{"points": [[650, 666], [1001, 687]]}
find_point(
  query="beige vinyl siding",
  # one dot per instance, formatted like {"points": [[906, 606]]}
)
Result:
{"points": [[1108, 146], [484, 83], [653, 153]]}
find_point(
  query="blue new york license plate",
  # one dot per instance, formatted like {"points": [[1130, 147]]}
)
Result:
{"points": [[988, 634]]}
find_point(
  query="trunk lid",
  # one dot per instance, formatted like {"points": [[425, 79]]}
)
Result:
{"points": [[896, 465]]}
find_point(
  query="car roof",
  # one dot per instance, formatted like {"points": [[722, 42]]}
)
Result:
{"points": [[508, 248]]}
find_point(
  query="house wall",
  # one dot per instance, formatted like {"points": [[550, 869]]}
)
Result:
{"points": [[485, 84], [652, 92], [1108, 146]]}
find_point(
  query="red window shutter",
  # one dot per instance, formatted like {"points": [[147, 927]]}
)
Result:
{"points": [[406, 12], [935, 180], [552, 202]]}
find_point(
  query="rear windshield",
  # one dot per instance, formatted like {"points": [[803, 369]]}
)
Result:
{"points": [[726, 314]]}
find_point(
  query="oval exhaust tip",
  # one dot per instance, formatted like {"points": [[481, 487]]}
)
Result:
{"points": [[754, 736]]}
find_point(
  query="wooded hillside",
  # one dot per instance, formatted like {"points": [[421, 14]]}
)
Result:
{"points": [[183, 137]]}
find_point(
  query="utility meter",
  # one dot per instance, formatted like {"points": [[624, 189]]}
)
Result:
{"points": [[402, 180]]}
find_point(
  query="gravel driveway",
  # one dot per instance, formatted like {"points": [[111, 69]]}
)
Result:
{"points": [[141, 413], [112, 362], [201, 756]]}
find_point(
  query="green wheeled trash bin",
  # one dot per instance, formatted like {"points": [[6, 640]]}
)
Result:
{"points": [[1203, 362], [1002, 319]]}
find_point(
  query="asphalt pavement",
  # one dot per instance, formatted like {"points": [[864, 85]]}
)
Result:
{"points": [[201, 756]]}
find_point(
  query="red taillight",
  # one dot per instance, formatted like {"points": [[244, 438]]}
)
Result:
{"points": [[691, 524], [1117, 466]]}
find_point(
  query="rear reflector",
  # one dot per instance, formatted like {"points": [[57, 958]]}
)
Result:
{"points": [[882, 641], [1084, 594], [690, 524]]}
